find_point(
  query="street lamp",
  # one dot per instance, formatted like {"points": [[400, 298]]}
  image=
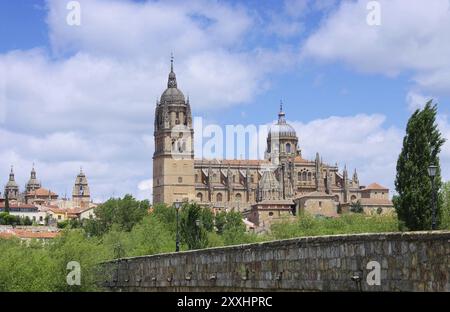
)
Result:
{"points": [[432, 169], [177, 206]]}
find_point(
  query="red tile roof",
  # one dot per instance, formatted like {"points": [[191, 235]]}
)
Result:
{"points": [[41, 192], [376, 186], [18, 205], [21, 233], [231, 162]]}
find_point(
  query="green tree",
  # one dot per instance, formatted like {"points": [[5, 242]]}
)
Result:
{"points": [[6, 202], [192, 230], [220, 221], [421, 146], [125, 212]]}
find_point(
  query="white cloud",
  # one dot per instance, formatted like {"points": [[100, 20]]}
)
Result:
{"points": [[90, 102], [416, 100], [362, 142], [413, 37]]}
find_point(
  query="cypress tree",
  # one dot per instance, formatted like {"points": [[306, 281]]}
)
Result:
{"points": [[421, 146], [6, 202]]}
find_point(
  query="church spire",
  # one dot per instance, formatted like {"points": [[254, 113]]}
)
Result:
{"points": [[281, 115], [172, 82], [33, 173], [11, 174]]}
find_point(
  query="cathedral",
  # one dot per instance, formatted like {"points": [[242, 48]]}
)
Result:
{"points": [[282, 183]]}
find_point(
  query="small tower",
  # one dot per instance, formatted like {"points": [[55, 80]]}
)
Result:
{"points": [[320, 183], [33, 183], [81, 195], [355, 178], [282, 141], [12, 188], [345, 176]]}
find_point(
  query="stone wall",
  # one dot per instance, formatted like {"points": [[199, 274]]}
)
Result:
{"points": [[415, 261]]}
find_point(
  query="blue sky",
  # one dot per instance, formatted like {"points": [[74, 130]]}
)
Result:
{"points": [[85, 95]]}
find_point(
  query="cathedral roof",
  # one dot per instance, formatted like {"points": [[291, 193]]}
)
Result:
{"points": [[41, 192], [375, 186], [172, 95], [231, 162], [282, 128]]}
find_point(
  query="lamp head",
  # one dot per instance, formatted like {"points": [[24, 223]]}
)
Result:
{"points": [[432, 169], [177, 205]]}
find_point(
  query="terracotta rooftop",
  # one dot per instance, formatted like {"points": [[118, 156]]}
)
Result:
{"points": [[300, 159], [41, 192], [18, 205], [21, 233], [231, 162], [375, 186]]}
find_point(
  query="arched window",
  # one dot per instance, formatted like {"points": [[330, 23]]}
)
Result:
{"points": [[353, 198], [200, 197], [304, 177], [238, 197], [288, 147], [219, 197], [309, 176]]}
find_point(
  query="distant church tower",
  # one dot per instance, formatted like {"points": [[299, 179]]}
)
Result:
{"points": [[12, 188], [173, 159], [80, 194], [33, 184]]}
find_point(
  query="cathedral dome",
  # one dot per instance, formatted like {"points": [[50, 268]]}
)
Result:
{"points": [[172, 95], [282, 128]]}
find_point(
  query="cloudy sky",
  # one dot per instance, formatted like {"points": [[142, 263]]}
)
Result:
{"points": [[84, 96]]}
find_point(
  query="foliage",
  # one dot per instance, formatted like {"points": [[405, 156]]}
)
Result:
{"points": [[124, 212], [307, 225], [9, 219], [192, 230], [421, 146], [356, 207]]}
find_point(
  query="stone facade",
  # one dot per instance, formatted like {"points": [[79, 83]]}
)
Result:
{"points": [[415, 261], [233, 184]]}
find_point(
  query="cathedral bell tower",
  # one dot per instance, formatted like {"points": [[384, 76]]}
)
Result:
{"points": [[173, 159]]}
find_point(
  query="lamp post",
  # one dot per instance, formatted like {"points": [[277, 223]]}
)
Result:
{"points": [[432, 173], [177, 206]]}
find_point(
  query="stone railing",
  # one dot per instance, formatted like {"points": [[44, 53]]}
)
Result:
{"points": [[414, 261]]}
